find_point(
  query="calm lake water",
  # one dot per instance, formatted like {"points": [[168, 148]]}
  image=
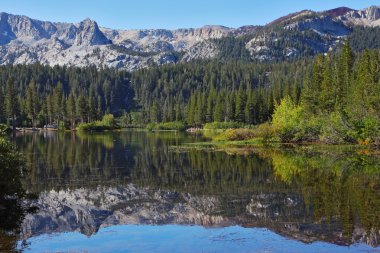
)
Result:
{"points": [[137, 191]]}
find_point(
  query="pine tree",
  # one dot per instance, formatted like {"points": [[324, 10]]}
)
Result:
{"points": [[81, 108], [199, 111], [361, 92], [240, 105], [249, 109], [99, 108], [345, 66], [11, 102], [178, 114], [32, 102], [312, 86], [219, 109], [190, 110], [2, 106], [326, 95], [50, 108], [230, 107], [71, 110], [91, 108], [57, 103]]}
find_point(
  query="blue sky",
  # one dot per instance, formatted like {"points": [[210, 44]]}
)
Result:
{"points": [[127, 14]]}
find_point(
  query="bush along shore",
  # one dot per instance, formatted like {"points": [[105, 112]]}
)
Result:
{"points": [[108, 123]]}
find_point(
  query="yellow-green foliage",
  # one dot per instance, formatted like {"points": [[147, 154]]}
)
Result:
{"points": [[176, 125], [287, 119], [265, 131], [107, 123], [239, 134], [4, 129], [222, 125]]}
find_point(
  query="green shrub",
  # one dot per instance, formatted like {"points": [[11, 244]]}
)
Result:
{"points": [[62, 126], [222, 125], [239, 134], [264, 131], [93, 127], [4, 129], [151, 126], [287, 118], [176, 125], [365, 131], [335, 129], [107, 123]]}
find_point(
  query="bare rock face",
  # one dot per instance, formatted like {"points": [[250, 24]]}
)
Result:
{"points": [[24, 41], [322, 25], [6, 34], [330, 29], [88, 34], [367, 17], [202, 50]]}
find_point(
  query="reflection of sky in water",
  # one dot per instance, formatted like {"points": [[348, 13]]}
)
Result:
{"points": [[175, 238]]}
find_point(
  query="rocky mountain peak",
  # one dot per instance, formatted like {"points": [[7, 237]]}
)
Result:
{"points": [[372, 13], [24, 40], [366, 17], [89, 34], [6, 34], [339, 11], [24, 28]]}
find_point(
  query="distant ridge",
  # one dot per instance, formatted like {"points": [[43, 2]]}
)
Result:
{"points": [[339, 11], [305, 33]]}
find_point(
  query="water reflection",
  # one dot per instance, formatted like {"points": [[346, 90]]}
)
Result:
{"points": [[86, 182], [12, 197]]}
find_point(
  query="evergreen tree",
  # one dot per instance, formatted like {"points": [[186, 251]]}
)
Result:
{"points": [[71, 110], [344, 76], [249, 109], [50, 108], [57, 103], [240, 105], [32, 103], [11, 102], [219, 109], [326, 95], [2, 107], [81, 108]]}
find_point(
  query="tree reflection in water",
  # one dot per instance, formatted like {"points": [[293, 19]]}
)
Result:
{"points": [[12, 196], [297, 192]]}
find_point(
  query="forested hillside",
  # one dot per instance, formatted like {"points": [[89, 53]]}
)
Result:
{"points": [[203, 92], [340, 89], [38, 95]]}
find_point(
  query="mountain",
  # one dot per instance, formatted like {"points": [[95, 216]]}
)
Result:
{"points": [[87, 210], [24, 40]]}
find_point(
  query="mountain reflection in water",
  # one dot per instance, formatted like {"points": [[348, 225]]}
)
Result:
{"points": [[88, 182]]}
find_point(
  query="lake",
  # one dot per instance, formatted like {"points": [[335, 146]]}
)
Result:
{"points": [[139, 191]]}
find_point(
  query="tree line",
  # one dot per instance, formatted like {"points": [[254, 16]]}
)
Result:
{"points": [[200, 92], [340, 101], [36, 95]]}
